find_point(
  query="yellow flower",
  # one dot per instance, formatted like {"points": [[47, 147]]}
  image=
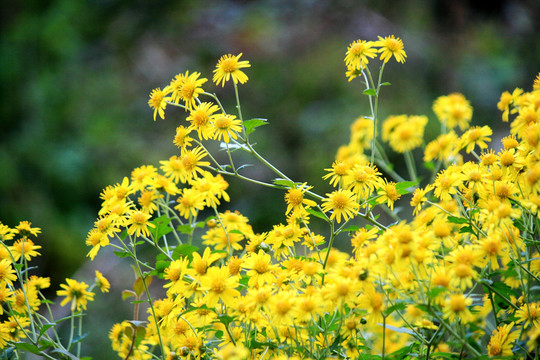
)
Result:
{"points": [[102, 283], [76, 293], [200, 118], [529, 313], [408, 135], [158, 101], [457, 308], [138, 223], [219, 286], [501, 341], [295, 198], [336, 174], [453, 110], [228, 67], [388, 193], [182, 138], [362, 179], [419, 198], [358, 53], [190, 203], [187, 88], [260, 269], [25, 229], [26, 248], [200, 264], [6, 233], [342, 204], [391, 46], [192, 163], [7, 274], [226, 127]]}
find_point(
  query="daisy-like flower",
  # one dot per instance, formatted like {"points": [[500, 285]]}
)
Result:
{"points": [[182, 138], [408, 135], [476, 136], [200, 264], [26, 248], [295, 198], [7, 274], [76, 293], [25, 229], [453, 110], [457, 308], [200, 118], [536, 83], [226, 127], [391, 46], [337, 173], [260, 269], [358, 54], [102, 283], [187, 88], [158, 101], [419, 198], [138, 223], [388, 193], [6, 233], [229, 67], [342, 204], [192, 163], [501, 341], [189, 203], [219, 286]]}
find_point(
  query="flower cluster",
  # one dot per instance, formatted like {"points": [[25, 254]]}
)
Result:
{"points": [[21, 297]]}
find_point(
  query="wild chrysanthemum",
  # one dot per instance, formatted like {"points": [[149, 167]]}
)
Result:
{"points": [[25, 229], [7, 274], [453, 110], [260, 269], [342, 204], [142, 176], [212, 188], [26, 248], [182, 138], [200, 119], [137, 223], [358, 54], [476, 136], [75, 293], [158, 101], [444, 147], [229, 67], [101, 282], [226, 127], [362, 179], [6, 233], [200, 264], [408, 135], [391, 46], [219, 286], [419, 198], [190, 203], [192, 163], [501, 341], [295, 198], [529, 314], [187, 88], [457, 308], [388, 193]]}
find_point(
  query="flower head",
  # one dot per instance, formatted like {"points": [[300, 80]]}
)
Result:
{"points": [[76, 293], [342, 204], [158, 101], [391, 46], [229, 67]]}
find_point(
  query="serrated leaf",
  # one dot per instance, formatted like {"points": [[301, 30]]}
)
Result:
{"points": [[370, 92], [251, 125]]}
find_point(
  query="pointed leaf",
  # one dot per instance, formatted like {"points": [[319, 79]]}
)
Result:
{"points": [[251, 125]]}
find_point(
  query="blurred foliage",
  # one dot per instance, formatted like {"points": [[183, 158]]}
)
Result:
{"points": [[76, 75]]}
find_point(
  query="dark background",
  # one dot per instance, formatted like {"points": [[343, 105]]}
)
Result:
{"points": [[75, 78]]}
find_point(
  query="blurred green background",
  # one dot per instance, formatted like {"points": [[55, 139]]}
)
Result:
{"points": [[75, 78]]}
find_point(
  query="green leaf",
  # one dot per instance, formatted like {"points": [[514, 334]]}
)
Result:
{"points": [[27, 347], [317, 214], [457, 220], [139, 286], [184, 250], [225, 319], [398, 306], [251, 125], [236, 231], [126, 294], [429, 165], [162, 227], [65, 353], [370, 92], [122, 254], [436, 291], [466, 229], [351, 228], [385, 84], [283, 182]]}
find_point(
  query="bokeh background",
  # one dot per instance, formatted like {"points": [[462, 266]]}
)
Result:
{"points": [[75, 77]]}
